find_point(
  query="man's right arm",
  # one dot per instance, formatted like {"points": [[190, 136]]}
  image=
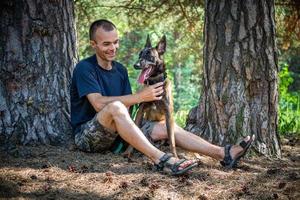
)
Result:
{"points": [[149, 93]]}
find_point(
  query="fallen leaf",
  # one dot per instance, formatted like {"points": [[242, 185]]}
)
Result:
{"points": [[124, 185], [154, 186], [33, 177], [281, 185], [72, 168]]}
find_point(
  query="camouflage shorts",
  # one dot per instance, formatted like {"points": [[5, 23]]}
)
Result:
{"points": [[93, 137], [147, 128]]}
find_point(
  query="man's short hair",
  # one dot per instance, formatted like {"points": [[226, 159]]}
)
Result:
{"points": [[101, 23]]}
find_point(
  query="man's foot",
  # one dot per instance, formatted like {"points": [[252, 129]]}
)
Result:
{"points": [[174, 166], [232, 154], [237, 149]]}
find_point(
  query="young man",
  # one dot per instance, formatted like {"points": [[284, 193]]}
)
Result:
{"points": [[101, 96]]}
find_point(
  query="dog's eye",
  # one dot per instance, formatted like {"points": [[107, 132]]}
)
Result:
{"points": [[143, 54], [147, 54], [152, 59]]}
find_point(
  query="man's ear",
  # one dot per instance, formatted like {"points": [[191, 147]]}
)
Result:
{"points": [[93, 44], [148, 42], [161, 46]]}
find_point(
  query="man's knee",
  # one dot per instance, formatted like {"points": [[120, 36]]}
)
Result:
{"points": [[117, 108]]}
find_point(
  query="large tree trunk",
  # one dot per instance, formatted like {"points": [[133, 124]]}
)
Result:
{"points": [[240, 75], [38, 53]]}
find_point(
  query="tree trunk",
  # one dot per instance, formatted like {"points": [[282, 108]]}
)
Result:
{"points": [[240, 75], [38, 53]]}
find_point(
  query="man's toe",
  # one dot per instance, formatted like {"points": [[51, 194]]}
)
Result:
{"points": [[185, 164]]}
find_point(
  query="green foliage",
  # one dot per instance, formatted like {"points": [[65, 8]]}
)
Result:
{"points": [[180, 117], [287, 39], [186, 91], [289, 104]]}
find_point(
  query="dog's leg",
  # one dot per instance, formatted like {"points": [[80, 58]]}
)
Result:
{"points": [[138, 120], [168, 103], [169, 116], [170, 129]]}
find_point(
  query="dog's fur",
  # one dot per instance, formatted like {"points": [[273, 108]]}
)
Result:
{"points": [[153, 71]]}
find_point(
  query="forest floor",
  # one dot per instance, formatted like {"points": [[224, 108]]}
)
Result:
{"points": [[48, 172]]}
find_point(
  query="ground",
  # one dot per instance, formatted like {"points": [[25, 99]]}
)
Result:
{"points": [[49, 172]]}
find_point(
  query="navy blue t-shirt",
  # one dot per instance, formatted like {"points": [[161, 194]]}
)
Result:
{"points": [[89, 77]]}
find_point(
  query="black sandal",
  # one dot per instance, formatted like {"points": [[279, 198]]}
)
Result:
{"points": [[228, 162], [163, 165]]}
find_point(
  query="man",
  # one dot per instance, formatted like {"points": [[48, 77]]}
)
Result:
{"points": [[100, 98]]}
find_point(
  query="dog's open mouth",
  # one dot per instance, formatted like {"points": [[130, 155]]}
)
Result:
{"points": [[145, 74]]}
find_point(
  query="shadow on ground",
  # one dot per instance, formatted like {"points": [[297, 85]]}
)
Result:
{"points": [[48, 172]]}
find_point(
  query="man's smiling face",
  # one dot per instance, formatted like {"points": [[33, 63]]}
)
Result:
{"points": [[106, 44]]}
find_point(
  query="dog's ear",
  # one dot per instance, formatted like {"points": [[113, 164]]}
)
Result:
{"points": [[148, 42], [161, 46]]}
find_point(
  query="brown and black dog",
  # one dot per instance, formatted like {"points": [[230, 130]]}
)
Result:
{"points": [[153, 71]]}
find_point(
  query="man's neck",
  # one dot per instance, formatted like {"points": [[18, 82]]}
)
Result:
{"points": [[104, 64]]}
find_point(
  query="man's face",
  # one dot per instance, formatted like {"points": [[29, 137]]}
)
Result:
{"points": [[106, 44]]}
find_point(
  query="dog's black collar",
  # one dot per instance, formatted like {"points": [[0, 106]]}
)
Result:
{"points": [[156, 79]]}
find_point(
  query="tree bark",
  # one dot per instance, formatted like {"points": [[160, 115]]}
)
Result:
{"points": [[240, 94], [38, 53]]}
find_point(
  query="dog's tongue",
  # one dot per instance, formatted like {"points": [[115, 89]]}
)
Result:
{"points": [[144, 75]]}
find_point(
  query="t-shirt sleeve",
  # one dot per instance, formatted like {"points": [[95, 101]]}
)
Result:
{"points": [[127, 86], [86, 81]]}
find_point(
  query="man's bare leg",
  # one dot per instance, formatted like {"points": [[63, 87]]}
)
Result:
{"points": [[115, 117], [194, 143]]}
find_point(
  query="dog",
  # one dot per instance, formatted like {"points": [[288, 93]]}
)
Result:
{"points": [[153, 71]]}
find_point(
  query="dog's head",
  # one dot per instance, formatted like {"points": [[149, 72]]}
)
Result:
{"points": [[150, 60]]}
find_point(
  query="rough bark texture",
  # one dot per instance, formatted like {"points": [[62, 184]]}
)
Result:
{"points": [[38, 53], [240, 75]]}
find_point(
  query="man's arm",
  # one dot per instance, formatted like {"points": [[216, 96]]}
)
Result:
{"points": [[149, 93]]}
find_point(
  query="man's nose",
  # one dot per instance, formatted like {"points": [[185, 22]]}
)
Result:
{"points": [[113, 46]]}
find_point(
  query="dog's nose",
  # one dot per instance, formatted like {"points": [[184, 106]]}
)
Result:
{"points": [[137, 65]]}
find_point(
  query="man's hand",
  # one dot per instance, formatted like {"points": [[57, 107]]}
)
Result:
{"points": [[151, 93]]}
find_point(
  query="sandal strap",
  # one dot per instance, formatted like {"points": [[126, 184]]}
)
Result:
{"points": [[243, 144], [163, 161], [163, 165], [176, 165], [227, 158]]}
